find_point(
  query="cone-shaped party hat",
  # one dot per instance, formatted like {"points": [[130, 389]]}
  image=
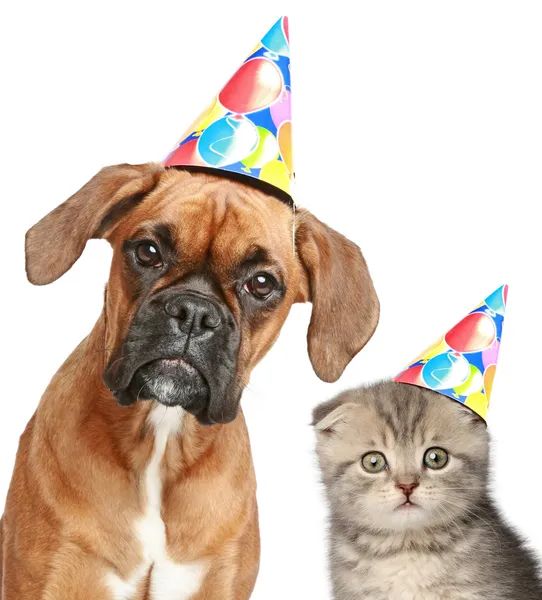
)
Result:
{"points": [[462, 364], [247, 129]]}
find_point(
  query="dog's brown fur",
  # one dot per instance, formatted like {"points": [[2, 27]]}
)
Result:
{"points": [[75, 491]]}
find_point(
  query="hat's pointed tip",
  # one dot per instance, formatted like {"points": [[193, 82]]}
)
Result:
{"points": [[503, 288], [498, 299]]}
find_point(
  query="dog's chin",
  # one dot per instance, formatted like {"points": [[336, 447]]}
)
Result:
{"points": [[171, 382]]}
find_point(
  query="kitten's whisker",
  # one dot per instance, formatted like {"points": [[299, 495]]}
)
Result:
{"points": [[478, 517], [440, 509], [453, 522], [461, 488]]}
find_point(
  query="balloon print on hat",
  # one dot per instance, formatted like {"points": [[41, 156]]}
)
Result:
{"points": [[474, 383], [478, 403], [462, 365], [276, 173], [256, 85], [413, 376], [437, 348], [228, 141], [243, 131], [239, 131], [256, 48], [497, 300], [277, 38], [281, 110], [188, 154], [489, 376], [266, 150], [474, 333], [212, 113], [446, 371], [285, 144], [491, 354]]}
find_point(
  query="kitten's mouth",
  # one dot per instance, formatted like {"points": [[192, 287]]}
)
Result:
{"points": [[407, 505]]}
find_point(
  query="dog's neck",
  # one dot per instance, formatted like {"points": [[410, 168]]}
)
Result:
{"points": [[124, 435], [105, 465]]}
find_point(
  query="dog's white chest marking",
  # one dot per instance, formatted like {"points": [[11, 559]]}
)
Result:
{"points": [[169, 580]]}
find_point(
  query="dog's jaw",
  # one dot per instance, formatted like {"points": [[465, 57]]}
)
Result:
{"points": [[171, 382]]}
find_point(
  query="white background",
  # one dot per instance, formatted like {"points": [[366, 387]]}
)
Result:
{"points": [[418, 134]]}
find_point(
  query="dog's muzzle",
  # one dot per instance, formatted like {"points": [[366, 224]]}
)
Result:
{"points": [[181, 350]]}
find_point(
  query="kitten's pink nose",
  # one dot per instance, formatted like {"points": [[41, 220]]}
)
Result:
{"points": [[407, 488]]}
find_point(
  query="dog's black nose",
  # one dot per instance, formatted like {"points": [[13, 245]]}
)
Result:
{"points": [[195, 315]]}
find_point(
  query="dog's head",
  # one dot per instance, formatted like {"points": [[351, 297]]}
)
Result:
{"points": [[204, 273]]}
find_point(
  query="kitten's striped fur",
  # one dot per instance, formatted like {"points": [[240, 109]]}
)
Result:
{"points": [[454, 545]]}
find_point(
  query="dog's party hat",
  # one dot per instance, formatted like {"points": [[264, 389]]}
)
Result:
{"points": [[462, 364], [247, 129]]}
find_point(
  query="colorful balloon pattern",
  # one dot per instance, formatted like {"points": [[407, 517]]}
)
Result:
{"points": [[266, 151], [247, 129], [462, 365], [227, 141]]}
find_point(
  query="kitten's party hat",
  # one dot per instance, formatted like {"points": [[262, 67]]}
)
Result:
{"points": [[462, 364], [246, 131]]}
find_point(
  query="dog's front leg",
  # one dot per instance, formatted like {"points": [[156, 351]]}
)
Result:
{"points": [[76, 575], [233, 574]]}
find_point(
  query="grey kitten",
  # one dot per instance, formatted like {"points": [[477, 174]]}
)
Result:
{"points": [[406, 476]]}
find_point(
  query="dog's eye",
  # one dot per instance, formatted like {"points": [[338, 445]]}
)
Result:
{"points": [[148, 255], [261, 285]]}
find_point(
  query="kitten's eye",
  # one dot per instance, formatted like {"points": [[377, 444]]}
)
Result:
{"points": [[261, 285], [435, 458], [148, 255], [374, 462]]}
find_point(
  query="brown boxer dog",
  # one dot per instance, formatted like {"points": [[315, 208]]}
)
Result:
{"points": [[153, 496]]}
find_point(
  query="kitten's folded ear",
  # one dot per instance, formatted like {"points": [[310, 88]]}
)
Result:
{"points": [[327, 417]]}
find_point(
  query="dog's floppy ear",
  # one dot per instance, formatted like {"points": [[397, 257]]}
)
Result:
{"points": [[57, 241], [345, 305]]}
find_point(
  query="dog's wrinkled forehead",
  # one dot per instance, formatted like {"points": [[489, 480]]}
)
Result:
{"points": [[211, 221]]}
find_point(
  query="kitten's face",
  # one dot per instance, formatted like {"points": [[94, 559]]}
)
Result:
{"points": [[374, 440]]}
